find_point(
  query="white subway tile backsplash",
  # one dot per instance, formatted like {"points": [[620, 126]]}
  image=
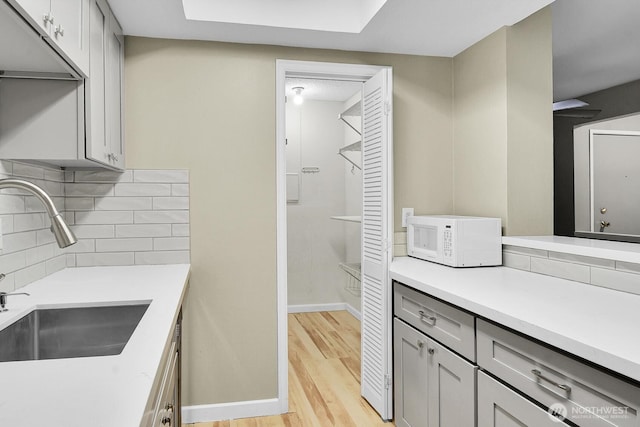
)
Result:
{"points": [[514, 260], [83, 245], [30, 274], [171, 243], [94, 231], [101, 207], [143, 230], [11, 204], [22, 170], [161, 217], [79, 203], [71, 260], [104, 217], [13, 261], [31, 221], [106, 258], [85, 189], [628, 267], [400, 250], [55, 264], [525, 251], [6, 224], [44, 236], [170, 203], [124, 245], [19, 241], [39, 254], [103, 176], [165, 257], [584, 260], [400, 238], [169, 176], [6, 167], [180, 229], [180, 190], [619, 280], [142, 190], [54, 175], [123, 203], [564, 270]]}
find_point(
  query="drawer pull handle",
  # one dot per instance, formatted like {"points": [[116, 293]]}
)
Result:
{"points": [[429, 320], [563, 387]]}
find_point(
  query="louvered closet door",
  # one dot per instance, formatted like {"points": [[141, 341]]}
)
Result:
{"points": [[376, 243]]}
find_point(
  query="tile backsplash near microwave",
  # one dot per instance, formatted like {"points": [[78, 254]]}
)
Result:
{"points": [[135, 217]]}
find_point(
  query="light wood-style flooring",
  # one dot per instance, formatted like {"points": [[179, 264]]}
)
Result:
{"points": [[324, 376]]}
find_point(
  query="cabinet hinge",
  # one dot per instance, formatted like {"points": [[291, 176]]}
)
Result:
{"points": [[387, 382], [387, 108]]}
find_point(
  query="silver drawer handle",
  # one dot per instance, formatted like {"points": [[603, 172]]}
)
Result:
{"points": [[430, 320], [563, 387]]}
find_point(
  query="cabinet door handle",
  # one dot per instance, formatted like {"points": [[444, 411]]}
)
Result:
{"points": [[431, 351], [429, 320], [539, 376], [420, 344], [59, 31]]}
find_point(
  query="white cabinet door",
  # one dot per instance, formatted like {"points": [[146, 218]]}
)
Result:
{"points": [[70, 30], [377, 242], [114, 93], [434, 387], [410, 376], [104, 89], [499, 406], [64, 24], [38, 12]]}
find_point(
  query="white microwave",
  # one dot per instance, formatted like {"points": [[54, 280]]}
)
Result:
{"points": [[456, 241]]}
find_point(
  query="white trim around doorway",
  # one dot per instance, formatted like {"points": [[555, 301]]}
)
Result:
{"points": [[284, 69]]}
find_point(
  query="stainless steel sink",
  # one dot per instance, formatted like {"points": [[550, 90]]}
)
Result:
{"points": [[59, 333]]}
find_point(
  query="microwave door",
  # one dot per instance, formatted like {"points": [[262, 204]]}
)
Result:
{"points": [[426, 242]]}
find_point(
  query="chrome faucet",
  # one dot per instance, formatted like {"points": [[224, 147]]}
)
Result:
{"points": [[64, 235]]}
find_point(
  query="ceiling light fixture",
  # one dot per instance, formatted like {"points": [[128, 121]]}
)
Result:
{"points": [[297, 98]]}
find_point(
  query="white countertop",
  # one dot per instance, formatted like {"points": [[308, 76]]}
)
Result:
{"points": [[597, 324], [106, 391], [617, 251]]}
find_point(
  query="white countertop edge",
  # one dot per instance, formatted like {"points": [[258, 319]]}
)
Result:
{"points": [[617, 251], [401, 271]]}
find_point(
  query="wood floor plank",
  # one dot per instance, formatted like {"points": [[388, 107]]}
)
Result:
{"points": [[324, 376]]}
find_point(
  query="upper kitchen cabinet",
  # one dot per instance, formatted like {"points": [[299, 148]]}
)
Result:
{"points": [[63, 24], [65, 123], [104, 89]]}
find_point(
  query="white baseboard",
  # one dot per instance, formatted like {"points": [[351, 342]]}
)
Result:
{"points": [[334, 306], [230, 411]]}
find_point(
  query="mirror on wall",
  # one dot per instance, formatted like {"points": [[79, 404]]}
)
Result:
{"points": [[607, 178]]}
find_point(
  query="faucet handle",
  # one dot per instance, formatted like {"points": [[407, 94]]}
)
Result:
{"points": [[4, 295]]}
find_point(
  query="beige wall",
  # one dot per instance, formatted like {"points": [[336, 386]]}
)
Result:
{"points": [[210, 107], [503, 129]]}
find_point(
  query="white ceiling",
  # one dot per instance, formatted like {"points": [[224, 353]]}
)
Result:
{"points": [[419, 27], [348, 16], [323, 90], [595, 41], [596, 45]]}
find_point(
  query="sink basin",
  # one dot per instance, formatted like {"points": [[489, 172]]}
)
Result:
{"points": [[58, 333]]}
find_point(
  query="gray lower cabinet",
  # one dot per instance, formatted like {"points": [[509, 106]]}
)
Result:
{"points": [[434, 387], [499, 406]]}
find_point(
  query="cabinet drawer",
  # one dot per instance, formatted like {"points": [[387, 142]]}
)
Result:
{"points": [[443, 322], [499, 406], [592, 397]]}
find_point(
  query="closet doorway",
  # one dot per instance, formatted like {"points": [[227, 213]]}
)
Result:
{"points": [[335, 210]]}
